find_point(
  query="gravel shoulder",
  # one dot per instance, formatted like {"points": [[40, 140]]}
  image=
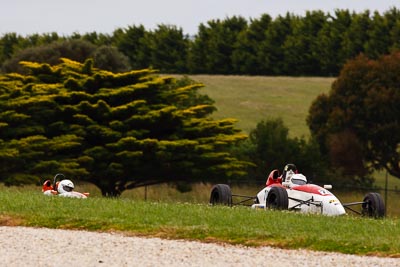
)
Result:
{"points": [[26, 246]]}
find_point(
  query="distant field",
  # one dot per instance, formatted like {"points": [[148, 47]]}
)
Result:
{"points": [[251, 99]]}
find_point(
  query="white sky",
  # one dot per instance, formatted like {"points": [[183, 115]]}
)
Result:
{"points": [[104, 16]]}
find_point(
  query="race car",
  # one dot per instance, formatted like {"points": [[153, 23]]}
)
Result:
{"points": [[62, 188], [290, 191]]}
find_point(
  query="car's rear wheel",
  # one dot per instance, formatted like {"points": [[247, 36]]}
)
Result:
{"points": [[221, 194], [277, 198], [373, 206]]}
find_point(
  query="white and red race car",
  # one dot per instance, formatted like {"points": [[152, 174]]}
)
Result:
{"points": [[292, 192], [62, 188]]}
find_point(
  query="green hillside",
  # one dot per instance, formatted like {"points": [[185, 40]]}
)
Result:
{"points": [[251, 99]]}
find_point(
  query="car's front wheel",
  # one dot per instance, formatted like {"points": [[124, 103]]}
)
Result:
{"points": [[221, 194], [277, 198], [373, 206]]}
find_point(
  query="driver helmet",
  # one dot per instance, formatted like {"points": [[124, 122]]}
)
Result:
{"points": [[288, 172], [297, 179], [65, 186]]}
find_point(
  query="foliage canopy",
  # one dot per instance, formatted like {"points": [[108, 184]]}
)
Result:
{"points": [[358, 122], [316, 44], [117, 131]]}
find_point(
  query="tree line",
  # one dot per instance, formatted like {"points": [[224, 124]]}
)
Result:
{"points": [[316, 44]]}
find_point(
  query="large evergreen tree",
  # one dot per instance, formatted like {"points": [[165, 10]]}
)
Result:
{"points": [[117, 131], [169, 49], [248, 55], [329, 49], [379, 37], [300, 48], [213, 47], [271, 50]]}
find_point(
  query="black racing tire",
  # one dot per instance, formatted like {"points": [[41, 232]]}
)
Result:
{"points": [[277, 198], [373, 206], [221, 194]]}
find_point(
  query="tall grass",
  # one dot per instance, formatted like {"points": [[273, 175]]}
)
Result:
{"points": [[238, 225]]}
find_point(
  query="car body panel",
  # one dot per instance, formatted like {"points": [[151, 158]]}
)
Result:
{"points": [[309, 198]]}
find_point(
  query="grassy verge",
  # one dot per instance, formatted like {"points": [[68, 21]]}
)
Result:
{"points": [[238, 225]]}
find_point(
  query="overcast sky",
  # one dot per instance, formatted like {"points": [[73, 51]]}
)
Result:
{"points": [[104, 16]]}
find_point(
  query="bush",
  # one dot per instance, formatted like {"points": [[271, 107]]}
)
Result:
{"points": [[105, 57], [269, 147]]}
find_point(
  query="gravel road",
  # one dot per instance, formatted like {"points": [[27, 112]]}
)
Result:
{"points": [[23, 246]]}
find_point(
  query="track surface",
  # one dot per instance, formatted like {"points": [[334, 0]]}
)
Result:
{"points": [[23, 246]]}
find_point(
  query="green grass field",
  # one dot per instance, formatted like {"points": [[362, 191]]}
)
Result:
{"points": [[237, 225], [251, 99]]}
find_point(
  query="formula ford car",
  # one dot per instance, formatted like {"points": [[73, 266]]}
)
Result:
{"points": [[62, 188], [292, 192]]}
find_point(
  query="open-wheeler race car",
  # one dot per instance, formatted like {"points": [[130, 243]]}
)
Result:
{"points": [[62, 188], [290, 191]]}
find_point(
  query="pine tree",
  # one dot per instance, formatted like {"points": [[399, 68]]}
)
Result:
{"points": [[117, 131]]}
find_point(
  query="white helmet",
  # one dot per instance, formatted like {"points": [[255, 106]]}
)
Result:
{"points": [[297, 179], [65, 186]]}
